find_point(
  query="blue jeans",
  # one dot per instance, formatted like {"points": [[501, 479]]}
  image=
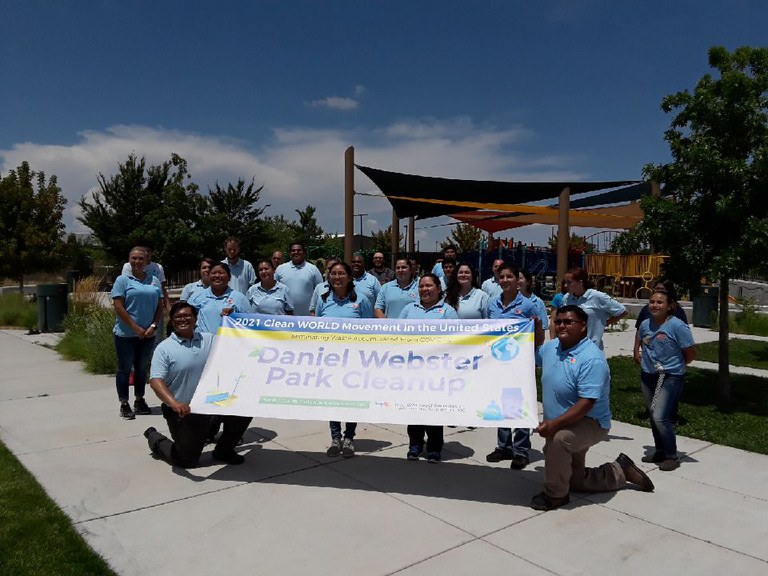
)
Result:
{"points": [[349, 430], [520, 443], [662, 415], [132, 354]]}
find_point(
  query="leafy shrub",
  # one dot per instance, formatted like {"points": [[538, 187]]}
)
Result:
{"points": [[17, 311], [88, 337]]}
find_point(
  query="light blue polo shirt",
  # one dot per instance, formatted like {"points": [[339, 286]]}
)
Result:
{"points": [[152, 268], [209, 307], [179, 363], [520, 307], [437, 270], [301, 281], [334, 307], [392, 298], [243, 275], [140, 300], [567, 375], [599, 308], [541, 310], [491, 287], [276, 300], [473, 306], [367, 285], [664, 344], [440, 311], [319, 290], [191, 289]]}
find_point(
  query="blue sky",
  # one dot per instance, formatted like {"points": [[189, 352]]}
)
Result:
{"points": [[277, 90]]}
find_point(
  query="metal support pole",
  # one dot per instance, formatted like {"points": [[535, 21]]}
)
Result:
{"points": [[395, 239], [563, 234], [349, 202]]}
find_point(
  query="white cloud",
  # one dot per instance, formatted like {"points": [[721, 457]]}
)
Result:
{"points": [[334, 102], [300, 166]]}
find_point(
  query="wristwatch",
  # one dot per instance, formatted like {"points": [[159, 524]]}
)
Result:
{"points": [[153, 325]]}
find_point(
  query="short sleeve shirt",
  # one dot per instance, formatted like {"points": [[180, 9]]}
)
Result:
{"points": [[541, 310], [243, 275], [473, 306], [190, 289], [152, 268], [492, 288], [179, 363], [301, 281], [386, 275], [140, 298], [441, 310], [209, 307], [334, 307], [578, 372], [520, 307], [663, 345], [276, 300], [599, 308], [392, 298], [367, 285]]}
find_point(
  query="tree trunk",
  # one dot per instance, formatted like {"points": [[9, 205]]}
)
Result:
{"points": [[723, 372]]}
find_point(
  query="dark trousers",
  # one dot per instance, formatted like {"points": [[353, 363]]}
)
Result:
{"points": [[434, 437], [189, 434], [132, 354], [349, 430]]}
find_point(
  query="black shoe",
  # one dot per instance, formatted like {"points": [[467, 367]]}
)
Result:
{"points": [[335, 448], [498, 455], [519, 462], [544, 503], [125, 411], [149, 431], [140, 407], [654, 458], [230, 457], [414, 452], [433, 457], [633, 474]]}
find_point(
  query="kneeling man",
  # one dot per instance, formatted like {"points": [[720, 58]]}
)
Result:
{"points": [[176, 368], [575, 383]]}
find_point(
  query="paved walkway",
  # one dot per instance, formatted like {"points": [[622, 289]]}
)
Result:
{"points": [[291, 510]]}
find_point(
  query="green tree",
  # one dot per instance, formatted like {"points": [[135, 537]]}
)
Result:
{"points": [[713, 217], [381, 241], [575, 242], [279, 233], [465, 237], [234, 211], [31, 228], [309, 231], [160, 204]]}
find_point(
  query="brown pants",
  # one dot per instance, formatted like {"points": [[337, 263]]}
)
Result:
{"points": [[564, 457]]}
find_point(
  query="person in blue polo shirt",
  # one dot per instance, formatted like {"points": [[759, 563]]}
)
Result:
{"points": [[324, 286], [138, 301], [491, 285], [575, 385], [366, 284], [268, 296], [301, 277], [464, 294], [525, 282], [217, 300], [430, 306], [667, 348], [193, 287], [398, 293], [341, 301], [241, 272], [177, 365], [511, 304]]}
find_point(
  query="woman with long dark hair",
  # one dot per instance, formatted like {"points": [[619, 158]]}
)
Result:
{"points": [[464, 293], [341, 301], [217, 300]]}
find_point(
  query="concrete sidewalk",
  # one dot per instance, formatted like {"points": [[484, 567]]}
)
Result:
{"points": [[292, 510]]}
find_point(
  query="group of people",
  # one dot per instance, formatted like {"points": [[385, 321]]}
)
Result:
{"points": [[575, 374]]}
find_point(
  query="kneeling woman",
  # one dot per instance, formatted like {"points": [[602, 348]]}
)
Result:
{"points": [[667, 348], [341, 301], [177, 365], [431, 306]]}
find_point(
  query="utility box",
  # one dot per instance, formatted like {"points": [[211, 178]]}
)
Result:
{"points": [[51, 306], [704, 305]]}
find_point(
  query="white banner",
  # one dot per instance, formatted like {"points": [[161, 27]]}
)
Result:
{"points": [[441, 372]]}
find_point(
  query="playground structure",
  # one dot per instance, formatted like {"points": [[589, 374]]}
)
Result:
{"points": [[629, 276]]}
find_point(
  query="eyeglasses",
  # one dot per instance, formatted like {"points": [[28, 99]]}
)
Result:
{"points": [[566, 322], [181, 317]]}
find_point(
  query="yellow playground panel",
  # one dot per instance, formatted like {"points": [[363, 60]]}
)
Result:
{"points": [[625, 276]]}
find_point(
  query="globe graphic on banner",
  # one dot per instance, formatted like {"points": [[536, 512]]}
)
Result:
{"points": [[505, 349]]}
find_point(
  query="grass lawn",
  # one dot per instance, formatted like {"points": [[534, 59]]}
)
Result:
{"points": [[741, 352], [743, 425], [35, 536], [16, 311]]}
